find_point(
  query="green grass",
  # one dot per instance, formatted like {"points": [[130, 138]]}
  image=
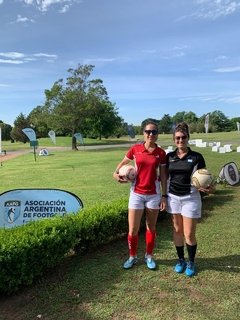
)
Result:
{"points": [[87, 174], [94, 286], [61, 142], [163, 139]]}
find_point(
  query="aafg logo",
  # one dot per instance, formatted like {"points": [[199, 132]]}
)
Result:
{"points": [[12, 210]]}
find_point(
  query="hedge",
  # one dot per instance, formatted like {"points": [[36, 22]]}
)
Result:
{"points": [[26, 252]]}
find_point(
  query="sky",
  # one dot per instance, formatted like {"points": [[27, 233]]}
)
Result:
{"points": [[155, 57]]}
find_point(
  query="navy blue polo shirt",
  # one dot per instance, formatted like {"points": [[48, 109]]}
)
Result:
{"points": [[181, 170]]}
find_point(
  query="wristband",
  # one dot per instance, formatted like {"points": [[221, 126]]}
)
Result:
{"points": [[164, 196]]}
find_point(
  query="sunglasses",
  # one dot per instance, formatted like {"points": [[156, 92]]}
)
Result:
{"points": [[154, 132], [182, 137]]}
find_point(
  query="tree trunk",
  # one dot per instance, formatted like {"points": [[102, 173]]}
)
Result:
{"points": [[74, 142]]}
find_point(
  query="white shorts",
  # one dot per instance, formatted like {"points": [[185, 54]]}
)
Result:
{"points": [[189, 206], [141, 201]]}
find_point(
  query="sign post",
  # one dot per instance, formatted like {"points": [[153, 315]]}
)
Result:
{"points": [[30, 133], [34, 144]]}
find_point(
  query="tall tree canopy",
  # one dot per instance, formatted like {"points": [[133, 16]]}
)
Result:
{"points": [[81, 104]]}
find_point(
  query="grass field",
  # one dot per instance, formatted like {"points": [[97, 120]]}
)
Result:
{"points": [[163, 139], [94, 286]]}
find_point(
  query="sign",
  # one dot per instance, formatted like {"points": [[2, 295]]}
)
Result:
{"points": [[79, 137], [206, 124], [30, 133], [131, 132], [33, 143], [52, 136], [229, 173], [20, 206]]}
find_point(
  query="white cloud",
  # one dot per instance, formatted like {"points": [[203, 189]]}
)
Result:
{"points": [[214, 9], [229, 69], [1, 2], [222, 57], [23, 19], [11, 61], [214, 98], [44, 5], [12, 55], [45, 55], [99, 60], [64, 8], [19, 58]]}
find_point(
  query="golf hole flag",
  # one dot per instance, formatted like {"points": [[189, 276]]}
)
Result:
{"points": [[79, 137], [52, 136], [206, 124], [30, 133], [20, 206]]}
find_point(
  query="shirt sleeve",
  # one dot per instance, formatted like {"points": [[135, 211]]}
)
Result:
{"points": [[130, 153], [201, 162]]}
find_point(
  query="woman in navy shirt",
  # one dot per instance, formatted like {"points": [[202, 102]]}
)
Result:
{"points": [[184, 200]]}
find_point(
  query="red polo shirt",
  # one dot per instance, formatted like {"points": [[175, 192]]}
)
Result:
{"points": [[147, 165]]}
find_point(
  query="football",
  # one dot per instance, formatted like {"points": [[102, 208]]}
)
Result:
{"points": [[202, 178], [128, 172]]}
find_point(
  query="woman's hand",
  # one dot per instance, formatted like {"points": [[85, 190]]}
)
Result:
{"points": [[211, 188], [163, 204], [119, 178]]}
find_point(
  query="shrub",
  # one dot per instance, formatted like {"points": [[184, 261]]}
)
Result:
{"points": [[26, 252]]}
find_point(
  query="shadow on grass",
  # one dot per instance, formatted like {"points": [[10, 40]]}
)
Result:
{"points": [[210, 203], [229, 264]]}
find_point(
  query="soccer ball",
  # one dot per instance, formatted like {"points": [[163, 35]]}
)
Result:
{"points": [[128, 172], [202, 178]]}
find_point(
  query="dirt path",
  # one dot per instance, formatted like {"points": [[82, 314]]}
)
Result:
{"points": [[12, 154]]}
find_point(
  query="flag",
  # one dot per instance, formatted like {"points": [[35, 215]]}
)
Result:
{"points": [[79, 137], [206, 123], [238, 126], [0, 140], [52, 136], [30, 133], [131, 132]]}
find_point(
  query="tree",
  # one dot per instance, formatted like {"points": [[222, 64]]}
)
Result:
{"points": [[219, 121], [6, 130], [38, 118], [178, 117], [165, 124], [103, 120], [190, 117], [20, 123], [71, 106], [234, 123]]}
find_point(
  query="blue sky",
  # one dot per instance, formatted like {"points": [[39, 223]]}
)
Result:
{"points": [[155, 57]]}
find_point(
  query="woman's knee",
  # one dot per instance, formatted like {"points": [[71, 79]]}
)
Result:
{"points": [[190, 238], [133, 231]]}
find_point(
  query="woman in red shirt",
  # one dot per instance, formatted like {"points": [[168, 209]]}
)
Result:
{"points": [[148, 192]]}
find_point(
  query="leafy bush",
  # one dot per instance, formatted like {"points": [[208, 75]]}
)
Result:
{"points": [[26, 252]]}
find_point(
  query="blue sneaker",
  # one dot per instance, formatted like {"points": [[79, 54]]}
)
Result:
{"points": [[190, 270], [151, 264], [129, 263], [180, 266]]}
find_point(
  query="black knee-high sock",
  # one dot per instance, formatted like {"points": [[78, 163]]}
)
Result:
{"points": [[180, 252], [191, 251]]}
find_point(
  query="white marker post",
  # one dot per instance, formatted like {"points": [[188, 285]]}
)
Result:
{"points": [[0, 140]]}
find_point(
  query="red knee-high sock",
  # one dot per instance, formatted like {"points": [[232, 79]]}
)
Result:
{"points": [[150, 241], [132, 244]]}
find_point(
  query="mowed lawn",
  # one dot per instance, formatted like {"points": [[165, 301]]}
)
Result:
{"points": [[94, 285]]}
